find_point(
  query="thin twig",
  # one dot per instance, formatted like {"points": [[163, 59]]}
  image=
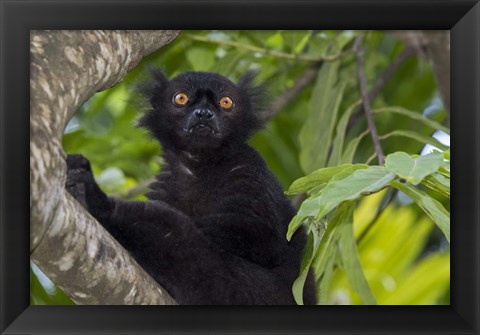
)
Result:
{"points": [[438, 49], [371, 158], [365, 99], [290, 94], [271, 52], [390, 71], [386, 200], [386, 75]]}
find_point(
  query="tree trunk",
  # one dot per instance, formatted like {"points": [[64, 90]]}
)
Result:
{"points": [[67, 244], [438, 46], [436, 43]]}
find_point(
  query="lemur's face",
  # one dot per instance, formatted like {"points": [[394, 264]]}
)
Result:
{"points": [[207, 106], [200, 110]]}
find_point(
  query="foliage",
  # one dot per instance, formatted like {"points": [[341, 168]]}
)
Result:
{"points": [[43, 291], [398, 263], [376, 234], [350, 183]]}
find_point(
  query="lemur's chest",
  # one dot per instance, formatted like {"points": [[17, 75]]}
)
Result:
{"points": [[193, 194]]}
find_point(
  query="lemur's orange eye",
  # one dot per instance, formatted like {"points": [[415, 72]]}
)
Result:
{"points": [[180, 98], [226, 102]]}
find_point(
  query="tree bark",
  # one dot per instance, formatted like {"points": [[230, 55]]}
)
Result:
{"points": [[438, 48], [67, 244], [436, 43]]}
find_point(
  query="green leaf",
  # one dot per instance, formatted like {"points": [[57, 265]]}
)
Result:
{"points": [[363, 181], [417, 137], [439, 183], [446, 154], [326, 248], [200, 58], [275, 41], [303, 42], [411, 169], [414, 116], [311, 247], [320, 248], [427, 281], [345, 37], [324, 261], [321, 176], [43, 291], [401, 235], [349, 153], [338, 142], [445, 169], [430, 206], [305, 211], [228, 63], [316, 133], [390, 250], [342, 174], [326, 280], [351, 261]]}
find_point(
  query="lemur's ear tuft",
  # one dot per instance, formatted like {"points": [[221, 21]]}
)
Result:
{"points": [[159, 83], [152, 84], [150, 91], [155, 85], [159, 76], [256, 94], [247, 80]]}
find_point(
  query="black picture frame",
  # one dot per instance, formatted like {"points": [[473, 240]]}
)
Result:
{"points": [[18, 17]]}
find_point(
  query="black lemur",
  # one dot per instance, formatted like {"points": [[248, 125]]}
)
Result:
{"points": [[215, 229]]}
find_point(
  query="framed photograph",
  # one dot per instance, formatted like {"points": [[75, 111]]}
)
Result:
{"points": [[325, 125]]}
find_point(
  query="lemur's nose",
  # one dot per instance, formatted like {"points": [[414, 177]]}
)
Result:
{"points": [[203, 113]]}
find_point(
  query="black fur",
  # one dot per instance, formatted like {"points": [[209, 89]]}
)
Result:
{"points": [[215, 229]]}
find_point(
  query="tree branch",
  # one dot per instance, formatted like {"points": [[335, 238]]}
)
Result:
{"points": [[270, 52], [384, 78], [359, 52], [438, 48], [390, 71], [67, 244], [290, 94]]}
